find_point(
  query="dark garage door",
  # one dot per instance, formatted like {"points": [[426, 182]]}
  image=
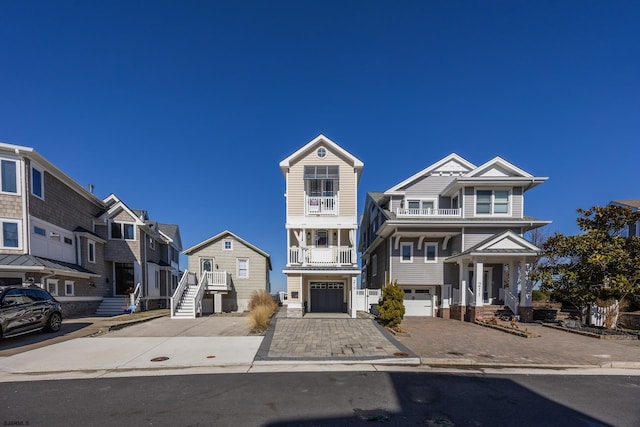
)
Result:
{"points": [[327, 297]]}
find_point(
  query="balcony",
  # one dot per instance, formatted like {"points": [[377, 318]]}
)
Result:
{"points": [[427, 213], [321, 205], [216, 280], [322, 257]]}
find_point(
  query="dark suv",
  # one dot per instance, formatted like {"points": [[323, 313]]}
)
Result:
{"points": [[27, 309]]}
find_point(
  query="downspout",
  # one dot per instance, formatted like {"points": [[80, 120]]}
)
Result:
{"points": [[26, 236], [43, 279]]}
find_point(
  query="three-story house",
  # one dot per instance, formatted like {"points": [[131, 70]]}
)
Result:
{"points": [[452, 236], [321, 224]]}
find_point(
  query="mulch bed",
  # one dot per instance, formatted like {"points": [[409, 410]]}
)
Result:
{"points": [[596, 332]]}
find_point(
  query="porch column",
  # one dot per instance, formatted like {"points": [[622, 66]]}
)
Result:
{"points": [[446, 296], [513, 279], [462, 274], [525, 286], [478, 277]]}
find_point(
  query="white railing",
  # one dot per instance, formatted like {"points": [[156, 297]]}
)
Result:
{"points": [[337, 255], [216, 280], [510, 300], [177, 294], [197, 299], [135, 297], [427, 212], [318, 205], [471, 297]]}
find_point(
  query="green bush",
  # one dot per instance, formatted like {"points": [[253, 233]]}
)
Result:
{"points": [[391, 305], [538, 295]]}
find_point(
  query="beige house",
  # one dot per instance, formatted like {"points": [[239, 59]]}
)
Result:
{"points": [[321, 224], [230, 269]]}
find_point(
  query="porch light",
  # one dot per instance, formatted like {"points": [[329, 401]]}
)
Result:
{"points": [[308, 237]]}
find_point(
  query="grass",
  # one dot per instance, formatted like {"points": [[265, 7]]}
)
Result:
{"points": [[261, 308]]}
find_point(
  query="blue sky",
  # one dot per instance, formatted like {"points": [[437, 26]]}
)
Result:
{"points": [[185, 108]]}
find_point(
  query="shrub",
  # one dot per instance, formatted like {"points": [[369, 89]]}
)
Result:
{"points": [[262, 298], [391, 305], [538, 295], [261, 308]]}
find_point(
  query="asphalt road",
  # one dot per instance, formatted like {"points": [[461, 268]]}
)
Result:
{"points": [[326, 399]]}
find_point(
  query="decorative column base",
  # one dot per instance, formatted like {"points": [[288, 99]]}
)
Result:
{"points": [[473, 313], [445, 313], [526, 314], [456, 312]]}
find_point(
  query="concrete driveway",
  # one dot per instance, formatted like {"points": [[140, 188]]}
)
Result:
{"points": [[208, 326]]}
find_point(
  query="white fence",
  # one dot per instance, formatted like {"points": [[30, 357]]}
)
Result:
{"points": [[362, 299]]}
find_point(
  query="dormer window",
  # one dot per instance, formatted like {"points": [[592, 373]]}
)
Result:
{"points": [[490, 202]]}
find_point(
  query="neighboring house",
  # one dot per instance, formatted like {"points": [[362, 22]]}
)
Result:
{"points": [[321, 224], [634, 205], [452, 237], [141, 251], [233, 268], [56, 234]]}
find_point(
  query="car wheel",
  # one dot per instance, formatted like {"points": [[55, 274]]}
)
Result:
{"points": [[54, 323]]}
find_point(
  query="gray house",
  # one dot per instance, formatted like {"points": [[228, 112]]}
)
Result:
{"points": [[230, 269], [452, 237]]}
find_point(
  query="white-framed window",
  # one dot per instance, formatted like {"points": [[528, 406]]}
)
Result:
{"points": [[9, 179], [321, 152], [406, 252], [37, 182], [374, 265], [52, 286], [152, 243], [91, 251], [69, 286], [11, 234], [227, 245], [122, 231], [492, 202], [421, 206], [431, 252], [243, 268]]}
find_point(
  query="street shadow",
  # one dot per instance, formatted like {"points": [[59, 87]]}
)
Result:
{"points": [[448, 400], [41, 337]]}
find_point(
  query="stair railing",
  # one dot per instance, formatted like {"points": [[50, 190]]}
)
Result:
{"points": [[135, 297], [511, 301], [177, 294], [197, 299]]}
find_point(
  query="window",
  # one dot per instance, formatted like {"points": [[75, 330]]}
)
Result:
{"points": [[68, 241], [492, 202], [430, 252], [152, 243], [122, 230], [91, 251], [243, 268], [374, 265], [228, 245], [406, 252], [40, 231], [321, 238], [206, 264], [321, 153], [10, 234], [68, 287], [422, 206], [9, 176], [52, 286], [37, 182]]}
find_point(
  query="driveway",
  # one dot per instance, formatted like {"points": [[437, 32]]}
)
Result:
{"points": [[437, 341]]}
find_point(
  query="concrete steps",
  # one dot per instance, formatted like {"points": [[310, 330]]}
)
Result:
{"points": [[113, 306]]}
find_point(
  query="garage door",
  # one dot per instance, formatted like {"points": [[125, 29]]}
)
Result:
{"points": [[327, 297], [417, 302]]}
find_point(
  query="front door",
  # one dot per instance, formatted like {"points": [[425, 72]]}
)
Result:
{"points": [[124, 275], [327, 297]]}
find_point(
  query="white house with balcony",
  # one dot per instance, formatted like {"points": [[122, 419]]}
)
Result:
{"points": [[321, 224], [452, 236]]}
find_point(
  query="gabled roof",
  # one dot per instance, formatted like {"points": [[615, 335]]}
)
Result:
{"points": [[115, 206], [220, 236], [31, 263], [172, 233], [452, 164], [316, 142], [505, 243], [632, 203]]}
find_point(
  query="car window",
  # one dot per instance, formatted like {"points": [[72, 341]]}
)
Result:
{"points": [[15, 296]]}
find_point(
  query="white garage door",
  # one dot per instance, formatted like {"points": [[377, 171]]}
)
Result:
{"points": [[417, 302]]}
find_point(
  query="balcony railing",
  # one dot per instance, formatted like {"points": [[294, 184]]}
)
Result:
{"points": [[317, 205], [322, 257], [427, 212], [216, 280]]}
